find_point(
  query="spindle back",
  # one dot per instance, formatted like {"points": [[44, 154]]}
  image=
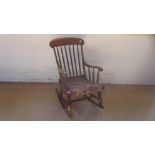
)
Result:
{"points": [[69, 55]]}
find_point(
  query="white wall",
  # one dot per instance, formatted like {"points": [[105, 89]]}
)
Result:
{"points": [[126, 59]]}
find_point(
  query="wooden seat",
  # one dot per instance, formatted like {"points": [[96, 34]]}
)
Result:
{"points": [[80, 84], [77, 78]]}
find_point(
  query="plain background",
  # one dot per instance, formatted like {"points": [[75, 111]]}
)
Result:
{"points": [[81, 17]]}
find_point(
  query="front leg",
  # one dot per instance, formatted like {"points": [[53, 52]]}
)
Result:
{"points": [[69, 106], [100, 99]]}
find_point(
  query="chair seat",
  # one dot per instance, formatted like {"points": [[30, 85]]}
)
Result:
{"points": [[80, 85]]}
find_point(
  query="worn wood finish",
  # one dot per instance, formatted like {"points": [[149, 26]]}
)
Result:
{"points": [[77, 78], [66, 41]]}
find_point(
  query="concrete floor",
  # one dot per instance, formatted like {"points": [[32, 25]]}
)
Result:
{"points": [[38, 102]]}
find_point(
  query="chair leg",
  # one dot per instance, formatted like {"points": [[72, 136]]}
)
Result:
{"points": [[65, 104], [100, 99], [60, 97], [69, 106]]}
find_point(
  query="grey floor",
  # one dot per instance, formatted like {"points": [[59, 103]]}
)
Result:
{"points": [[38, 102]]}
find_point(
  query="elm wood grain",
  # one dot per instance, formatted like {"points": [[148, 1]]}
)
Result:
{"points": [[73, 77]]}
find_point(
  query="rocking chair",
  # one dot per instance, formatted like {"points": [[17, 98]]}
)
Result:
{"points": [[77, 78]]}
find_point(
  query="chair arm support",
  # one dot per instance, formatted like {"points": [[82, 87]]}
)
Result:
{"points": [[92, 66], [92, 72], [63, 75]]}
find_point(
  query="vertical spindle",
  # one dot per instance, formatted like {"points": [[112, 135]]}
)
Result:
{"points": [[59, 57], [93, 76], [79, 59], [63, 58], [67, 61], [75, 60], [98, 76], [89, 73], [71, 60]]}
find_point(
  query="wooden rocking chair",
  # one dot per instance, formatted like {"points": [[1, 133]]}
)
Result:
{"points": [[77, 78]]}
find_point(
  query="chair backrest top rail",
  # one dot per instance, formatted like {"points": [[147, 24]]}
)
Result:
{"points": [[66, 41]]}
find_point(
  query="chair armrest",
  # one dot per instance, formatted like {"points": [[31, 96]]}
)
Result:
{"points": [[92, 72], [92, 66]]}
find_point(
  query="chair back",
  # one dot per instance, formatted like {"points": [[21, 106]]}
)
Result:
{"points": [[69, 55]]}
